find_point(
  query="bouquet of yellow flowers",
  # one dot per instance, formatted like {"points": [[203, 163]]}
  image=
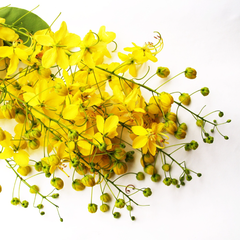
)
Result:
{"points": [[86, 113]]}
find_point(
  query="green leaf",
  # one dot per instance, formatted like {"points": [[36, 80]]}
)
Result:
{"points": [[21, 18]]}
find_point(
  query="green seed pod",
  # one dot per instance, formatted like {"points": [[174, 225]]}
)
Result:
{"points": [[156, 177], [140, 176], [185, 99], [120, 203], [104, 207], [88, 181], [57, 183], [163, 72], [78, 185], [116, 215], [205, 91], [147, 192], [166, 167], [92, 208], [190, 73], [105, 197], [34, 189], [24, 203]]}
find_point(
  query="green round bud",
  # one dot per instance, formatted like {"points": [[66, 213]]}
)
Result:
{"points": [[38, 166], [88, 181], [57, 183], [40, 206], [199, 174], [174, 181], [209, 139], [105, 197], [187, 171], [188, 147], [182, 183], [61, 219], [133, 218], [129, 208], [163, 72], [34, 189], [129, 156], [73, 135], [190, 73], [183, 126], [75, 162], [122, 145], [147, 192], [155, 177], [116, 215], [185, 99], [102, 146], [35, 133], [78, 185], [55, 195], [226, 137], [120, 203], [24, 203], [92, 208], [42, 213], [205, 91], [47, 175], [15, 201], [167, 181], [229, 120], [199, 123], [140, 176], [220, 114], [194, 145], [188, 177], [150, 169], [180, 133], [166, 167], [104, 207]]}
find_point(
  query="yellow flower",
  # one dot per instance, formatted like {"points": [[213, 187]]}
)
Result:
{"points": [[150, 138], [59, 44], [7, 34]]}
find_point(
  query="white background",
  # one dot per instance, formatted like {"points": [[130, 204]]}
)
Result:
{"points": [[204, 35]]}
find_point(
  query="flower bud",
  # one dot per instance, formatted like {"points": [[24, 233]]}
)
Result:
{"points": [[180, 133], [129, 208], [119, 154], [120, 203], [81, 169], [167, 181], [171, 127], [73, 135], [88, 181], [185, 99], [78, 185], [104, 207], [75, 162], [194, 145], [150, 169], [188, 177], [34, 144], [199, 123], [92, 208], [220, 114], [116, 215], [190, 73], [24, 171], [209, 139], [183, 126], [166, 167], [147, 192], [170, 116], [0, 188], [24, 203], [34, 189], [55, 195], [120, 168], [205, 91], [40, 206], [57, 183], [188, 147], [163, 72], [174, 181], [34, 133], [2, 135], [105, 197], [15, 201], [53, 160], [8, 111], [155, 177], [140, 176], [129, 156], [102, 146], [20, 115], [148, 158]]}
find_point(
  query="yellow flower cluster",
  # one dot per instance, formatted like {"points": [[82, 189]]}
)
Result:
{"points": [[61, 103]]}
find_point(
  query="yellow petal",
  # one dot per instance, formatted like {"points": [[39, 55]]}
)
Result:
{"points": [[70, 112], [13, 64], [111, 124], [21, 54], [21, 158], [49, 58], [61, 32], [45, 40], [6, 51], [31, 99], [140, 141], [100, 123], [7, 153], [62, 59], [138, 130]]}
